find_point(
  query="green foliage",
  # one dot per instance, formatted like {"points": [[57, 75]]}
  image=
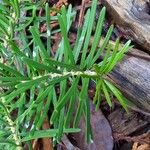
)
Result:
{"points": [[31, 74]]}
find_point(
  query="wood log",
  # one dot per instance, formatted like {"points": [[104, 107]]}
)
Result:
{"points": [[133, 18], [127, 123], [132, 77]]}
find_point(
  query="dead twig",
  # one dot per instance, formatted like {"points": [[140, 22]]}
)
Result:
{"points": [[81, 15], [142, 139], [47, 142]]}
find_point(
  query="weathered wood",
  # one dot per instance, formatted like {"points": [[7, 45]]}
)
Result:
{"points": [[127, 123], [132, 77], [133, 18]]}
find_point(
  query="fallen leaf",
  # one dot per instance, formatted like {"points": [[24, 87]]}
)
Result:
{"points": [[102, 134]]}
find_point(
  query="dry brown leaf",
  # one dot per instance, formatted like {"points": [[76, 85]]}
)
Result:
{"points": [[57, 6], [136, 146], [102, 134]]}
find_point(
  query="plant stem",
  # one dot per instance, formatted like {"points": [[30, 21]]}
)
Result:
{"points": [[16, 138], [88, 73]]}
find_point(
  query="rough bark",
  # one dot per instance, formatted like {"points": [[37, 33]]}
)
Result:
{"points": [[132, 77], [128, 123], [133, 18]]}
